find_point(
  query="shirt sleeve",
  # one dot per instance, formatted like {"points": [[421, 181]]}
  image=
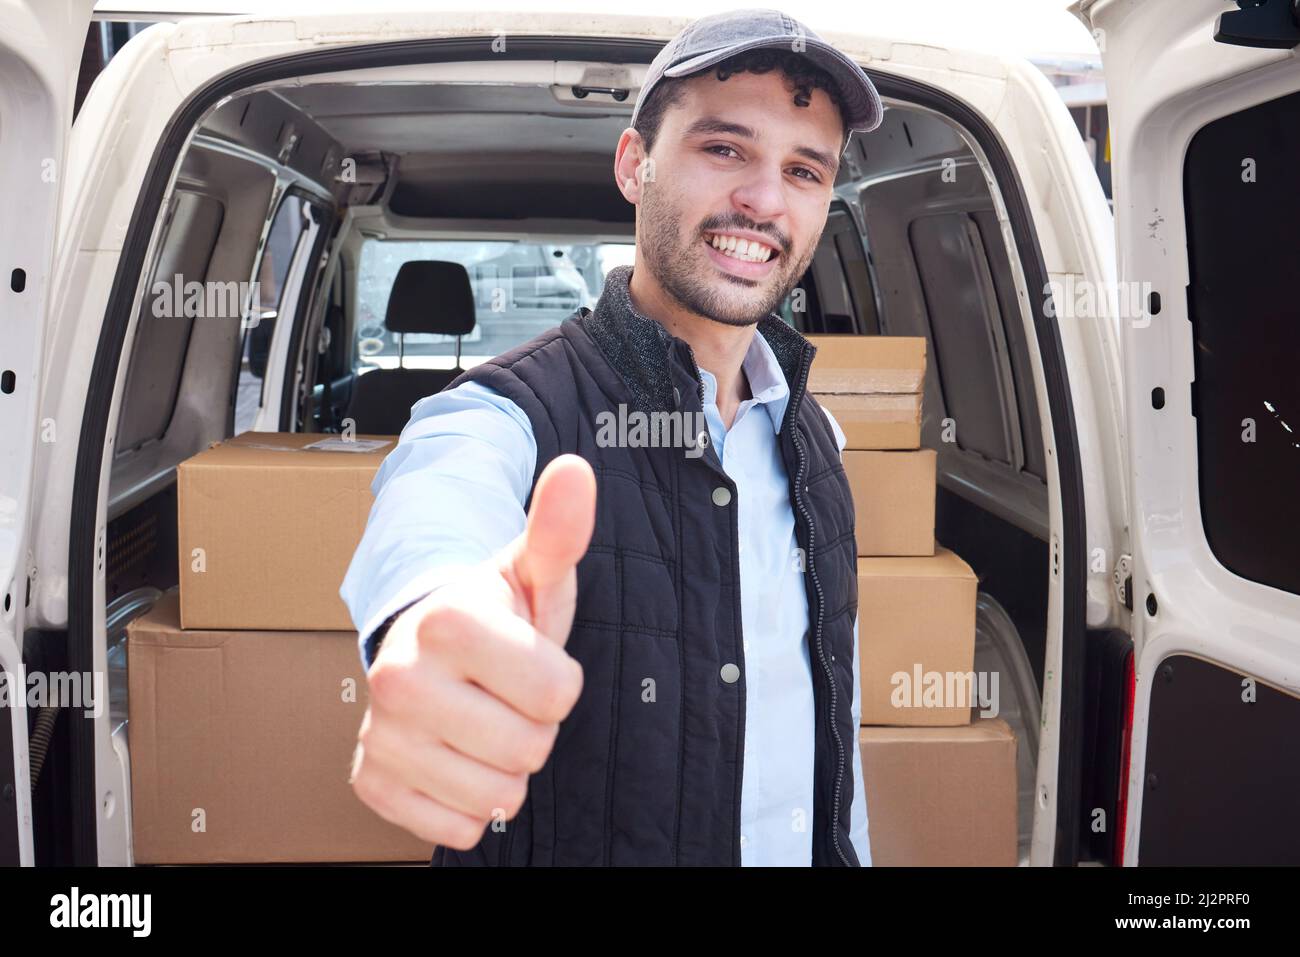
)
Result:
{"points": [[840, 440], [858, 810], [450, 495]]}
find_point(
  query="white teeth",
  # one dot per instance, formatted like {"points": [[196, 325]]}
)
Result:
{"points": [[743, 249]]}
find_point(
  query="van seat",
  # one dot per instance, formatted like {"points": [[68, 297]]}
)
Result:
{"points": [[429, 296]]}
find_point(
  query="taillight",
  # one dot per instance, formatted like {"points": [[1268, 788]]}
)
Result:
{"points": [[1126, 733]]}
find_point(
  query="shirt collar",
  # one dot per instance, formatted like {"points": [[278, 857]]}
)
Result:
{"points": [[640, 349], [766, 380]]}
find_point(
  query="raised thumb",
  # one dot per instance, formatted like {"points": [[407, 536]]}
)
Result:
{"points": [[561, 518]]}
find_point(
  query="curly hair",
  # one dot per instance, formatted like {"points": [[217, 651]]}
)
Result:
{"points": [[801, 74]]}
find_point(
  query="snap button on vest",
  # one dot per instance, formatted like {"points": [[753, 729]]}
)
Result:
{"points": [[730, 673], [722, 496]]}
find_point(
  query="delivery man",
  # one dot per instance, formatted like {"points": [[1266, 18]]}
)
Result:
{"points": [[593, 643]]}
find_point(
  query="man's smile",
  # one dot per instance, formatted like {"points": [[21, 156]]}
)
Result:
{"points": [[741, 254]]}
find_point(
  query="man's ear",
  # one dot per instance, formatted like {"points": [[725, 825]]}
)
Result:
{"points": [[630, 165]]}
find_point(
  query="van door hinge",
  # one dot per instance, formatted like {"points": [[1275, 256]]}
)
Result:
{"points": [[1123, 579]]}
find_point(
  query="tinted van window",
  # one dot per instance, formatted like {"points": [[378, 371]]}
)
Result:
{"points": [[1243, 220]]}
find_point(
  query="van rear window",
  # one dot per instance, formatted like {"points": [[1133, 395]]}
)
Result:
{"points": [[520, 290], [1243, 229]]}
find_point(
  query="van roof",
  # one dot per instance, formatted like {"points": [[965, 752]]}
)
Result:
{"points": [[1043, 28]]}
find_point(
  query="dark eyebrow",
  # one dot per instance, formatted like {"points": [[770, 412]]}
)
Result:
{"points": [[821, 157], [711, 124]]}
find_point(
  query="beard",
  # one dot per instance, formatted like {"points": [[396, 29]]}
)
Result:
{"points": [[686, 274]]}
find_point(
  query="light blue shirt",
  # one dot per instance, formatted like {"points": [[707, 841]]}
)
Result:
{"points": [[451, 494]]}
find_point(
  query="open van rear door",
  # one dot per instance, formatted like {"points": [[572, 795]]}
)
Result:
{"points": [[40, 52], [1204, 103]]}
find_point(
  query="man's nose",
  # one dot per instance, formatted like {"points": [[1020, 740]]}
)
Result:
{"points": [[761, 196]]}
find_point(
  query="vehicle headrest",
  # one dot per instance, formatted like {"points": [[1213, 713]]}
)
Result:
{"points": [[431, 296]]}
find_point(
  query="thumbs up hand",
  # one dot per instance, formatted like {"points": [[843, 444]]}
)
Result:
{"points": [[470, 684]]}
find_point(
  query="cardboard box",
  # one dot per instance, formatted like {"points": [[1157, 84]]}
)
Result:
{"points": [[868, 365], [941, 797], [241, 746], [916, 621], [893, 499], [267, 526], [873, 386], [876, 421]]}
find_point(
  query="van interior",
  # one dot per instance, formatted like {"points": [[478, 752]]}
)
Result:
{"points": [[321, 187]]}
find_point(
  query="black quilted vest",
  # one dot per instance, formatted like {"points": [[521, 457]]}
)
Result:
{"points": [[647, 767]]}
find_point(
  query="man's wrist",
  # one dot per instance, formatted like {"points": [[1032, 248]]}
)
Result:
{"points": [[376, 637], [415, 591]]}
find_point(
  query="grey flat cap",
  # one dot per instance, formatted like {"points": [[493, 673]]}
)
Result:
{"points": [[710, 40]]}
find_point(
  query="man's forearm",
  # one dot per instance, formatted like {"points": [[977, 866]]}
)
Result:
{"points": [[450, 495]]}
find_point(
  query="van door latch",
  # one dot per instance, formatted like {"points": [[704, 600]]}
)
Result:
{"points": [[1123, 579]]}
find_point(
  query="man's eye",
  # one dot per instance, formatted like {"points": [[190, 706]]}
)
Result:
{"points": [[812, 177], [710, 149]]}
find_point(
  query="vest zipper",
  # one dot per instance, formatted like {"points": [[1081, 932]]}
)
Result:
{"points": [[821, 608]]}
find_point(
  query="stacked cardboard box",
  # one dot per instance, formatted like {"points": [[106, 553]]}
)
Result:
{"points": [[241, 746], [940, 780], [872, 385], [941, 797], [267, 525], [246, 689], [916, 621]]}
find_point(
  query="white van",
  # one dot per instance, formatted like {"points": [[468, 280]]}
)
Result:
{"points": [[1113, 399]]}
